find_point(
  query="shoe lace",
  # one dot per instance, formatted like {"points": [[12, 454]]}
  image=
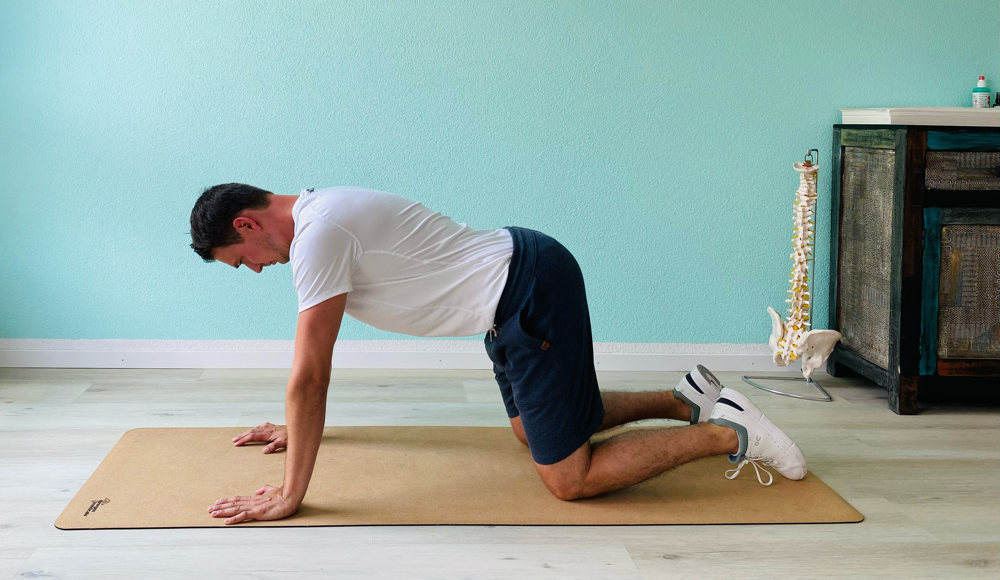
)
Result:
{"points": [[758, 466]]}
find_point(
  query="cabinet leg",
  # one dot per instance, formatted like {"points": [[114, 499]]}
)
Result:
{"points": [[903, 395], [836, 369]]}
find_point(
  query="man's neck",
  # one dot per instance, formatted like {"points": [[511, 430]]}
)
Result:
{"points": [[281, 212]]}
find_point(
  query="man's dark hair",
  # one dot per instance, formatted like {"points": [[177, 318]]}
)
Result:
{"points": [[214, 212]]}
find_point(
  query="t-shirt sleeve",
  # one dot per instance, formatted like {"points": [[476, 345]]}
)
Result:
{"points": [[323, 262]]}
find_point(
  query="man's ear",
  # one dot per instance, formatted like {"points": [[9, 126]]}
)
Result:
{"points": [[245, 222]]}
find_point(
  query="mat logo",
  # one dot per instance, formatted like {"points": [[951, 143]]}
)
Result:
{"points": [[96, 504]]}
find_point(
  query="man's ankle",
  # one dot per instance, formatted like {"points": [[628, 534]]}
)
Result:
{"points": [[729, 440], [680, 410]]}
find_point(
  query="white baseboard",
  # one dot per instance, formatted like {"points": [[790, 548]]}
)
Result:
{"points": [[387, 354]]}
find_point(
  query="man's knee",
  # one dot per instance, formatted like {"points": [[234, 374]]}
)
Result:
{"points": [[567, 479], [566, 489]]}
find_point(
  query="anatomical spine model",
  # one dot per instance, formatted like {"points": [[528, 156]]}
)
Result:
{"points": [[794, 337]]}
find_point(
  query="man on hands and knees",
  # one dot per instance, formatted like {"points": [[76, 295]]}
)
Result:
{"points": [[399, 266]]}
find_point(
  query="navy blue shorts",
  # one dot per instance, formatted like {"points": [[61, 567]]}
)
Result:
{"points": [[543, 350]]}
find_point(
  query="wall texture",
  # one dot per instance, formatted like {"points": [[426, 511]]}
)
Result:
{"points": [[654, 139]]}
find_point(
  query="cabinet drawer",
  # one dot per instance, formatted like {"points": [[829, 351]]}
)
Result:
{"points": [[963, 170]]}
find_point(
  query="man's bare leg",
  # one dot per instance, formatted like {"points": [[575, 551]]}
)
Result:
{"points": [[626, 459], [622, 407]]}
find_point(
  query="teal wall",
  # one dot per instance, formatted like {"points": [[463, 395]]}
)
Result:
{"points": [[654, 139]]}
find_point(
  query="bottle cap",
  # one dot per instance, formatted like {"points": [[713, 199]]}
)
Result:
{"points": [[982, 81]]}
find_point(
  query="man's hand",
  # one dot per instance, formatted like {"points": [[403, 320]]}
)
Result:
{"points": [[266, 503], [275, 435]]}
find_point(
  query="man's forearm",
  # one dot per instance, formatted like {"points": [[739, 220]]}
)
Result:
{"points": [[305, 413]]}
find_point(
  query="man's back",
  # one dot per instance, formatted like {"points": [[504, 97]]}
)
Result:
{"points": [[407, 268]]}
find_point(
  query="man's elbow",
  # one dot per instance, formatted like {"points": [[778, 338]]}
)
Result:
{"points": [[311, 372], [309, 387]]}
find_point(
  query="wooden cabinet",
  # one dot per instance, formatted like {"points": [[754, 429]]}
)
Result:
{"points": [[915, 255]]}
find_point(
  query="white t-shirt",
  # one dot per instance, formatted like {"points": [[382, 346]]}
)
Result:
{"points": [[406, 268]]}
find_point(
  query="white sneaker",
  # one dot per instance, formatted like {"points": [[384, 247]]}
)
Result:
{"points": [[761, 442], [699, 389]]}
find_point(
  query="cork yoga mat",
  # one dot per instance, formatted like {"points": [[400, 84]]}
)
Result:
{"points": [[167, 478]]}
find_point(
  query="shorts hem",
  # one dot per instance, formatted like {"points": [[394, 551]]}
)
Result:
{"points": [[550, 459]]}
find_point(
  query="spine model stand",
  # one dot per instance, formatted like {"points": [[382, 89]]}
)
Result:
{"points": [[793, 338]]}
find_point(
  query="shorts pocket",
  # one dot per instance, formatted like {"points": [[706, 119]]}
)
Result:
{"points": [[522, 337]]}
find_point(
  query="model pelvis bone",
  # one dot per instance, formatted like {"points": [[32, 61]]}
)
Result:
{"points": [[812, 346]]}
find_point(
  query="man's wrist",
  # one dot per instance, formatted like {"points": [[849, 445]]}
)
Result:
{"points": [[292, 496]]}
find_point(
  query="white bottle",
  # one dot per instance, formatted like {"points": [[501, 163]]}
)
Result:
{"points": [[981, 94]]}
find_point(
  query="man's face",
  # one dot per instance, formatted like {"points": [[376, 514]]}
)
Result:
{"points": [[256, 251]]}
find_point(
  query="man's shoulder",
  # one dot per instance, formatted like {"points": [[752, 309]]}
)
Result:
{"points": [[345, 190], [348, 204]]}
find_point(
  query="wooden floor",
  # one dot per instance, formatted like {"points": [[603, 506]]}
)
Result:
{"points": [[929, 486]]}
